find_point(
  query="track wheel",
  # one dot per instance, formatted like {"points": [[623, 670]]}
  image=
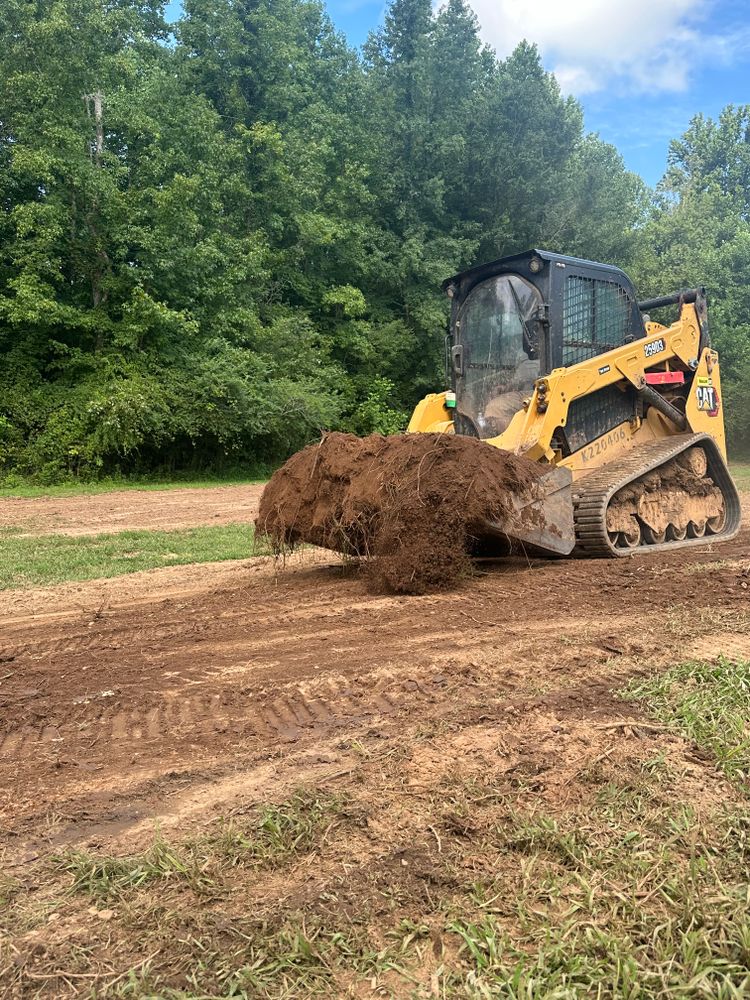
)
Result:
{"points": [[695, 461], [696, 529], [676, 534], [716, 525], [629, 539], [651, 537]]}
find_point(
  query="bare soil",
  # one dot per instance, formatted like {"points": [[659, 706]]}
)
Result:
{"points": [[166, 698], [131, 510], [127, 699]]}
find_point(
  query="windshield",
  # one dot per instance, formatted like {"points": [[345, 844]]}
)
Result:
{"points": [[497, 332]]}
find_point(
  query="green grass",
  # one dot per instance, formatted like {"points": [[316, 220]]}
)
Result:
{"points": [[300, 960], [633, 896], [630, 895], [105, 877], [50, 559], [274, 835], [741, 473], [708, 703], [15, 486], [279, 832]]}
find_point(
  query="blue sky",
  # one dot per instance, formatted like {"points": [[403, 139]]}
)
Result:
{"points": [[640, 68]]}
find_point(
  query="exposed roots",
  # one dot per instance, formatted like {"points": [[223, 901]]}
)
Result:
{"points": [[409, 505]]}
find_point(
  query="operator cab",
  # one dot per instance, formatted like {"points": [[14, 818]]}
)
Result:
{"points": [[520, 317]]}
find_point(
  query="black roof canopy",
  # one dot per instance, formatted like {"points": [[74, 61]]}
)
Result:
{"points": [[518, 263]]}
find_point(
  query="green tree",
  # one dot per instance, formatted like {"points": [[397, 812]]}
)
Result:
{"points": [[216, 244], [699, 234], [128, 247]]}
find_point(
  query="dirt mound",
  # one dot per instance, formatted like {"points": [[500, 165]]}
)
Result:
{"points": [[415, 502]]}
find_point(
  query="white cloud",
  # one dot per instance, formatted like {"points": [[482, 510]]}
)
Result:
{"points": [[642, 45]]}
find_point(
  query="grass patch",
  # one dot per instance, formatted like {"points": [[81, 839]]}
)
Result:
{"points": [[18, 486], [631, 895], [299, 960], [49, 559], [636, 896], [273, 836], [741, 473], [280, 831], [111, 876], [708, 703]]}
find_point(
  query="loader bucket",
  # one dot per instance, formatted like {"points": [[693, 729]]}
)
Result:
{"points": [[542, 525]]}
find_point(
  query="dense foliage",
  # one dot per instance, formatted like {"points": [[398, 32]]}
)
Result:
{"points": [[217, 239]]}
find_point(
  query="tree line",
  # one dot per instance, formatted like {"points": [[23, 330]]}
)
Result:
{"points": [[220, 236]]}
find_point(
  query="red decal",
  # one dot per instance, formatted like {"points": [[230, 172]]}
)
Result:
{"points": [[665, 378]]}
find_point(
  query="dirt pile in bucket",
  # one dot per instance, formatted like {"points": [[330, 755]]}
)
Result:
{"points": [[413, 505]]}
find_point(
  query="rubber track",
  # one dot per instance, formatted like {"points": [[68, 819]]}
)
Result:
{"points": [[591, 496]]}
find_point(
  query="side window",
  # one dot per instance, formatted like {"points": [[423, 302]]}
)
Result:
{"points": [[596, 317]]}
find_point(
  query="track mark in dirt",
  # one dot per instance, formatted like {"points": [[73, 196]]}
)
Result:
{"points": [[251, 701], [330, 701], [107, 693]]}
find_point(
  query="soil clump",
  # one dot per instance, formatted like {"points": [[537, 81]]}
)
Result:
{"points": [[414, 506]]}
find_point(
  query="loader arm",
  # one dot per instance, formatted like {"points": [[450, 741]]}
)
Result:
{"points": [[675, 382]]}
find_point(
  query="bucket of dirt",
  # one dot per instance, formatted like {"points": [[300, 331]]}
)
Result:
{"points": [[414, 508]]}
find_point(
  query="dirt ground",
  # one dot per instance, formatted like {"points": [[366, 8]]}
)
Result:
{"points": [[131, 510], [137, 699], [163, 698]]}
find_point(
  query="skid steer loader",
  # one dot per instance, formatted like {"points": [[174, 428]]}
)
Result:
{"points": [[553, 358]]}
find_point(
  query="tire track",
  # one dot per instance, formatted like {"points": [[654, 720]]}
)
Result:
{"points": [[200, 685], [287, 715], [286, 712]]}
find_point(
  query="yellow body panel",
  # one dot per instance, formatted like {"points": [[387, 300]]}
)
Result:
{"points": [[704, 407], [431, 415], [531, 430]]}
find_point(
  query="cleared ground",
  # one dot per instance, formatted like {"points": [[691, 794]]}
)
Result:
{"points": [[178, 702], [130, 510]]}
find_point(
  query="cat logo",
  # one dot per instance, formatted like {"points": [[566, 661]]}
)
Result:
{"points": [[708, 400]]}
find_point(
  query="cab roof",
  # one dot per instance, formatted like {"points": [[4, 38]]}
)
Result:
{"points": [[480, 271]]}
